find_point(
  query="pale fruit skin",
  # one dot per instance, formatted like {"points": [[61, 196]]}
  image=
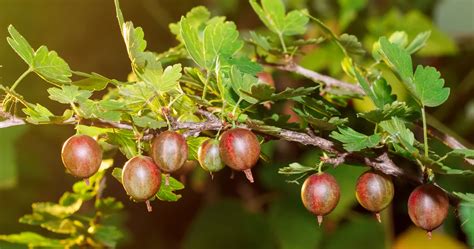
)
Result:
{"points": [[428, 207], [209, 156], [81, 155], [240, 150], [141, 178], [374, 191], [170, 151], [320, 194]]}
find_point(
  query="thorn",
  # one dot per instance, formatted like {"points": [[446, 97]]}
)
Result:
{"points": [[87, 181], [148, 206], [167, 179], [248, 174], [429, 234], [320, 220], [378, 217], [212, 175]]}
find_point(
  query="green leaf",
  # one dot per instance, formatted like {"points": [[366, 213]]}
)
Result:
{"points": [[117, 174], [106, 235], [355, 141], [219, 40], [400, 134], [161, 81], [56, 210], [196, 17], [399, 38], [272, 14], [94, 82], [149, 121], [193, 146], [68, 94], [429, 87], [37, 114], [166, 192], [242, 83], [108, 205], [351, 44], [49, 66], [8, 168], [418, 43], [53, 224], [466, 213], [397, 58], [464, 152], [33, 240], [467, 197], [125, 139], [20, 45], [395, 109], [92, 131], [291, 93], [295, 169], [260, 91]]}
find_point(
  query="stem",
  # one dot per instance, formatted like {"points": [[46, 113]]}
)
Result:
{"points": [[204, 91], [425, 130], [12, 88], [282, 43]]}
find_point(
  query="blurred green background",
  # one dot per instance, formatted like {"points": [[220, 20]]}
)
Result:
{"points": [[226, 213]]}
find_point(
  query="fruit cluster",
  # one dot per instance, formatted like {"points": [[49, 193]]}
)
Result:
{"points": [[427, 205], [237, 148]]}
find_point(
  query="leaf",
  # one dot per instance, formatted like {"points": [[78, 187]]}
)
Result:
{"points": [[260, 91], [68, 94], [351, 44], [125, 139], [429, 87], [56, 210], [418, 43], [117, 174], [108, 205], [20, 45], [219, 40], [49, 66], [37, 114], [464, 152], [161, 81], [355, 141], [272, 14], [196, 17], [33, 240], [295, 169], [242, 82], [62, 226], [467, 197], [397, 58], [94, 82], [166, 192], [193, 146], [400, 134], [290, 93], [399, 38], [107, 236], [148, 121], [245, 65], [395, 109], [8, 160]]}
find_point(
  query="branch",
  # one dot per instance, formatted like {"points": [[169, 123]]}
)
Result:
{"points": [[328, 82]]}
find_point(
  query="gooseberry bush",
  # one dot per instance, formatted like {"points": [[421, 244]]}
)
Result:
{"points": [[212, 99]]}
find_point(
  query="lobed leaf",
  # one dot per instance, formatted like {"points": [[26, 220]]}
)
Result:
{"points": [[356, 141], [429, 86]]}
